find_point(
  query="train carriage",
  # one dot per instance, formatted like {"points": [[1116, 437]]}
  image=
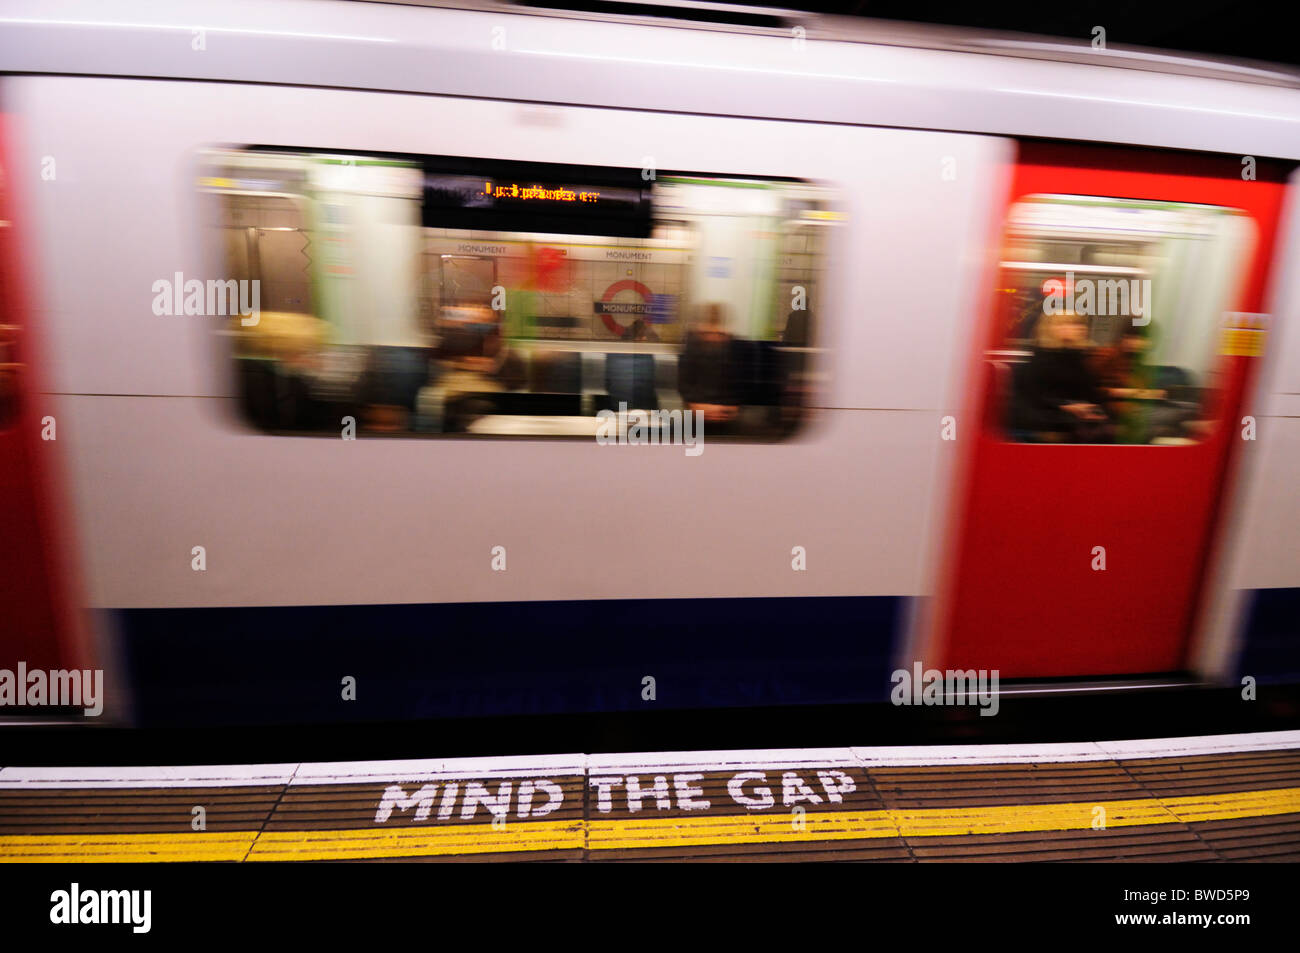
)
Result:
{"points": [[473, 230]]}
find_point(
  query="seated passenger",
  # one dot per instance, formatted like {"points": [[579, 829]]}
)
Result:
{"points": [[473, 355], [278, 391], [705, 375], [1148, 403], [389, 386], [1056, 396], [1122, 378]]}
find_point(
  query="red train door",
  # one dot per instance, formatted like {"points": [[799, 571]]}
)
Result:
{"points": [[38, 623], [1107, 407]]}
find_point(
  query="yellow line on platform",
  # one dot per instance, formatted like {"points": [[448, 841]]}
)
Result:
{"points": [[640, 832], [108, 847], [374, 842]]}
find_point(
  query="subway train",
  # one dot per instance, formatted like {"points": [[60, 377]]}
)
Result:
{"points": [[368, 361]]}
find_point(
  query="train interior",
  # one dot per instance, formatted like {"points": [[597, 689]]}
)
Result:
{"points": [[1134, 291], [376, 306]]}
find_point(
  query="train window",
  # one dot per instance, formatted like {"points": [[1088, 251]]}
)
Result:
{"points": [[1112, 316], [425, 295]]}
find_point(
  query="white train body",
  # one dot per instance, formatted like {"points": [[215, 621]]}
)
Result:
{"points": [[125, 101]]}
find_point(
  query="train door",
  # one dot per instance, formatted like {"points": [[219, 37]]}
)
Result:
{"points": [[1107, 407], [38, 623]]}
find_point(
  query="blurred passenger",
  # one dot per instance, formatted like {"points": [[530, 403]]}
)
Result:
{"points": [[706, 376], [280, 358], [1122, 377], [1027, 308], [638, 330], [1057, 398], [390, 385], [473, 355], [1144, 412], [1119, 368], [798, 327]]}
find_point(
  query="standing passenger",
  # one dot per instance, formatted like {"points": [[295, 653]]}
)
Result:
{"points": [[705, 373]]}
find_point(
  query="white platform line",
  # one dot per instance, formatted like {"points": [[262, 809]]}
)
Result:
{"points": [[773, 759], [1209, 744], [172, 776], [558, 765], [1090, 751], [431, 769]]}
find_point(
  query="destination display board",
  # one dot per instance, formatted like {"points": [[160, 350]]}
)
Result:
{"points": [[507, 196]]}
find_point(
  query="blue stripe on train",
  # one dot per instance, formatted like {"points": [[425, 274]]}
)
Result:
{"points": [[447, 660], [1271, 640]]}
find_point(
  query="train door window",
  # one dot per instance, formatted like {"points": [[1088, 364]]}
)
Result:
{"points": [[430, 295], [1112, 318]]}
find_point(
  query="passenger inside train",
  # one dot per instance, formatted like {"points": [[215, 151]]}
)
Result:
{"points": [[707, 372], [1057, 395], [424, 303], [1114, 318]]}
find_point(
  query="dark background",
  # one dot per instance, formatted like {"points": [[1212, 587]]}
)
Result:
{"points": [[1250, 30]]}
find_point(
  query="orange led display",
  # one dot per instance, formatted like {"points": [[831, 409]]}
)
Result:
{"points": [[527, 193]]}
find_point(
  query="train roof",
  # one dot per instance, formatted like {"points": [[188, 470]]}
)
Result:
{"points": [[740, 18], [681, 56]]}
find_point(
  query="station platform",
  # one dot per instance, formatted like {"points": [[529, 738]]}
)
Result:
{"points": [[1208, 798]]}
